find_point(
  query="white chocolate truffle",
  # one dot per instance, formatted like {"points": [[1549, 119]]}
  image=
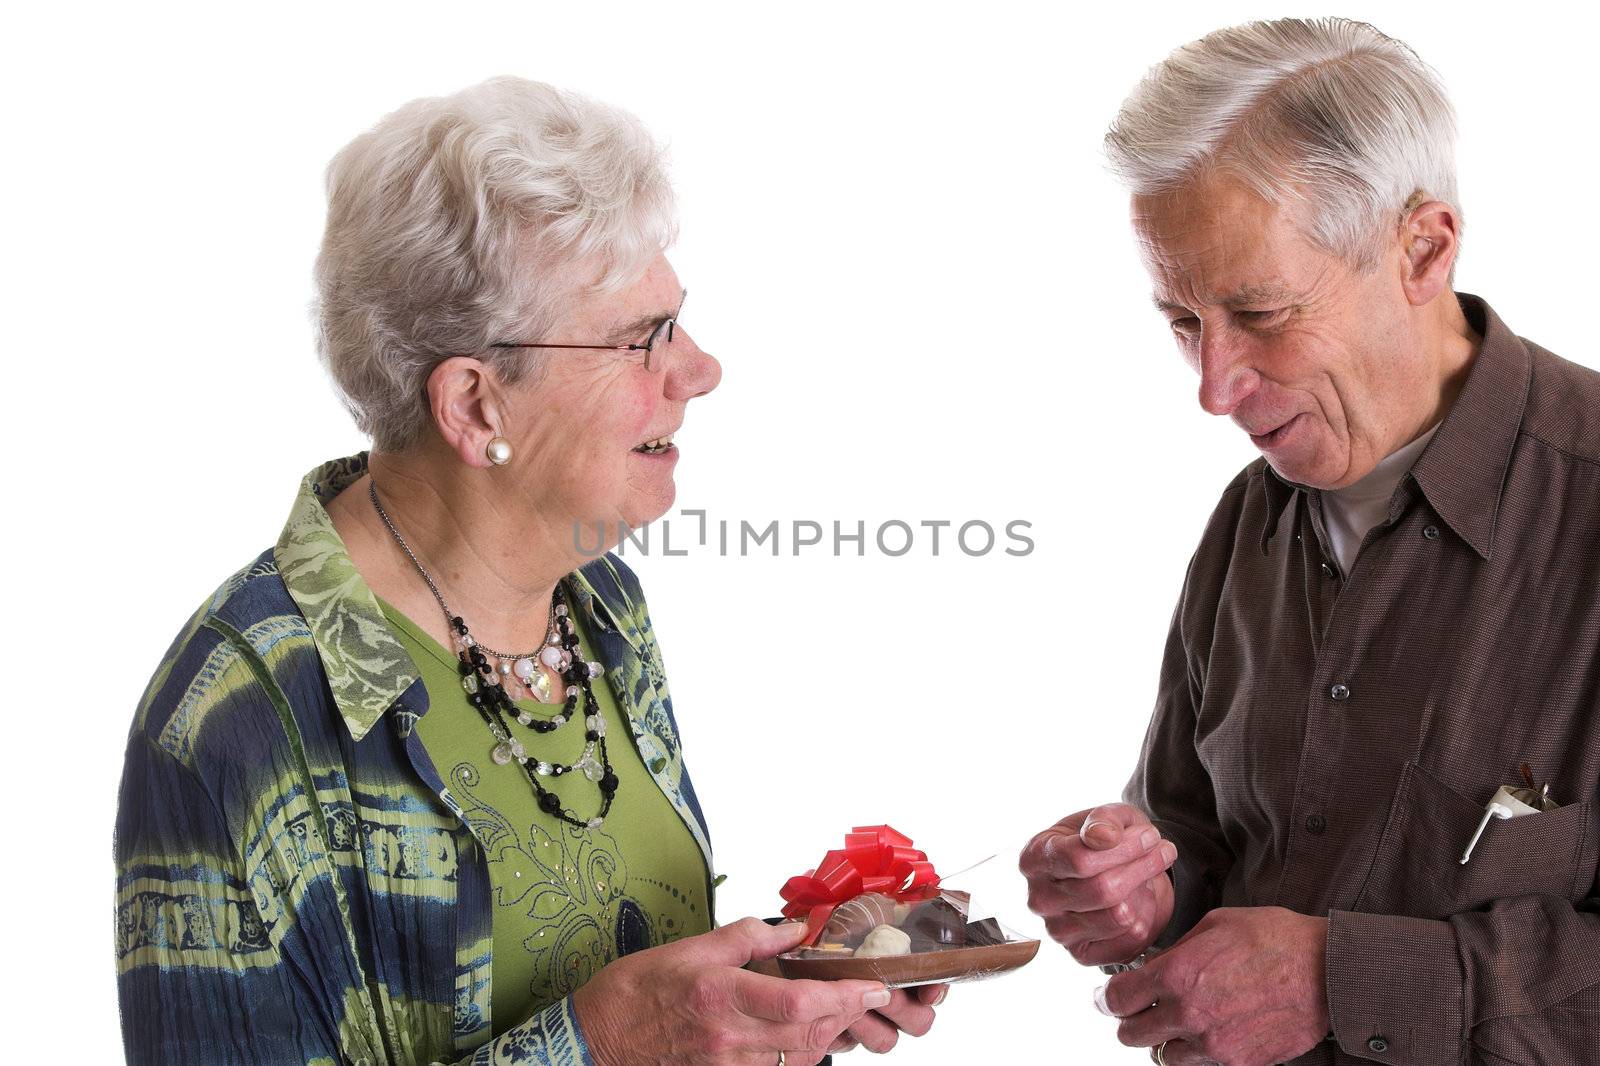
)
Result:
{"points": [[884, 941]]}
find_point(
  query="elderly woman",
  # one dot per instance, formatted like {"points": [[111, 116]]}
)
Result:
{"points": [[408, 787]]}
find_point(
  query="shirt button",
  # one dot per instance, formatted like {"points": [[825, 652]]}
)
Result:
{"points": [[1327, 570], [1431, 532], [1378, 1044], [1316, 824], [1339, 692]]}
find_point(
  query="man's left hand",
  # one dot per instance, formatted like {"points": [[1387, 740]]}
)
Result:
{"points": [[909, 1011], [1245, 987]]}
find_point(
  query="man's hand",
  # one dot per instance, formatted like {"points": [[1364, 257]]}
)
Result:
{"points": [[1098, 878], [1245, 987], [908, 1012]]}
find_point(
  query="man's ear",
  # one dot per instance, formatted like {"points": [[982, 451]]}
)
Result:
{"points": [[1430, 239], [461, 400]]}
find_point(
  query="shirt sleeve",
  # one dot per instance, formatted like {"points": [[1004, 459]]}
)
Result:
{"points": [[1518, 981], [199, 978], [551, 1037], [1173, 787]]}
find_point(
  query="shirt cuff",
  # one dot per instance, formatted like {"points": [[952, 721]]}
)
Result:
{"points": [[1396, 990], [551, 1037], [1192, 897]]}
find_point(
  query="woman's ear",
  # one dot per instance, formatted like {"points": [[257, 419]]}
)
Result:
{"points": [[465, 412], [1431, 239]]}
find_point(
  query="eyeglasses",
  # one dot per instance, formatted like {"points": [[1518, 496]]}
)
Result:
{"points": [[665, 326]]}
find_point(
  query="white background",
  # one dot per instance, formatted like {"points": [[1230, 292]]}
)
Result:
{"points": [[902, 243]]}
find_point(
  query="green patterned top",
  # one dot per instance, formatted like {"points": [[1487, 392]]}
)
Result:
{"points": [[296, 881], [567, 901]]}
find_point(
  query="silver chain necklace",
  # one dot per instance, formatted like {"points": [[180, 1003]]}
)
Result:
{"points": [[506, 657]]}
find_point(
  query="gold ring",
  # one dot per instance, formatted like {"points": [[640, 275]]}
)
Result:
{"points": [[1159, 1053], [782, 1058]]}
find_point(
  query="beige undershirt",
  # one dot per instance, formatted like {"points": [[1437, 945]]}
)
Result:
{"points": [[1349, 513]]}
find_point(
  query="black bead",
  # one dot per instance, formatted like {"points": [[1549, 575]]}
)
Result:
{"points": [[569, 641], [460, 626], [591, 735], [608, 783], [550, 803]]}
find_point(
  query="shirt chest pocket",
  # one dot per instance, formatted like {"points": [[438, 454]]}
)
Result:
{"points": [[1418, 870]]}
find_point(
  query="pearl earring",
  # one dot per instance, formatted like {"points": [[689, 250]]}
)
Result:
{"points": [[498, 451]]}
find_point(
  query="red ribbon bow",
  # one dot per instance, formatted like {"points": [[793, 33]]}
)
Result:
{"points": [[875, 858]]}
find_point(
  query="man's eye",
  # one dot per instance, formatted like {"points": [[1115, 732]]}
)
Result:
{"points": [[1187, 326], [1264, 318]]}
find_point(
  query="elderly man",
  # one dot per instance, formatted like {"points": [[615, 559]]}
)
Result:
{"points": [[1391, 615]]}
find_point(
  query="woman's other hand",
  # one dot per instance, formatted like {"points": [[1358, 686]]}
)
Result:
{"points": [[691, 1002], [909, 1011]]}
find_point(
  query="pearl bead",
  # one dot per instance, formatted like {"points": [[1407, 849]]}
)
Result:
{"points": [[505, 669], [550, 657], [524, 668], [499, 451]]}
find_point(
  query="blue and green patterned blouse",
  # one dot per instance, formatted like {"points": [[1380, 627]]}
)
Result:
{"points": [[295, 881]]}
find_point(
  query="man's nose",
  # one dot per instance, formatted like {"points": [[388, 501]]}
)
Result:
{"points": [[1226, 379]]}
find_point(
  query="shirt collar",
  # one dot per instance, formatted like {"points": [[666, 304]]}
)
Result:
{"points": [[367, 667], [1462, 471]]}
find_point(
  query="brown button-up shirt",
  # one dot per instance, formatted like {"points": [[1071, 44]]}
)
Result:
{"points": [[1327, 742]]}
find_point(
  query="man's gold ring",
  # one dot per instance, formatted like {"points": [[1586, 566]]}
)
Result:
{"points": [[1159, 1053]]}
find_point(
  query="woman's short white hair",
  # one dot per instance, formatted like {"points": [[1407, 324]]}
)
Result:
{"points": [[463, 220], [1329, 111]]}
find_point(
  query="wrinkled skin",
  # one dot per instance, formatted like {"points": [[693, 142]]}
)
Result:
{"points": [[1245, 987]]}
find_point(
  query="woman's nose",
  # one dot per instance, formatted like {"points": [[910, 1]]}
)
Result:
{"points": [[692, 371]]}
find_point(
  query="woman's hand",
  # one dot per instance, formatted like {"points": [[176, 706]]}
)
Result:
{"points": [[690, 1002], [907, 1012]]}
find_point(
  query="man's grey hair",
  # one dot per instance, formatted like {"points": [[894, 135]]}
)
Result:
{"points": [[464, 220], [1327, 111]]}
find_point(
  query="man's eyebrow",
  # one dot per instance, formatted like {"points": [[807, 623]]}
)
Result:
{"points": [[1246, 296], [1270, 292]]}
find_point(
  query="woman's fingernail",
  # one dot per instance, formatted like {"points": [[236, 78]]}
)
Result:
{"points": [[1148, 838], [1169, 851], [1100, 1002], [874, 1000]]}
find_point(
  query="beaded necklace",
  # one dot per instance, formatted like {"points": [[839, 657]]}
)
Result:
{"points": [[481, 680]]}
